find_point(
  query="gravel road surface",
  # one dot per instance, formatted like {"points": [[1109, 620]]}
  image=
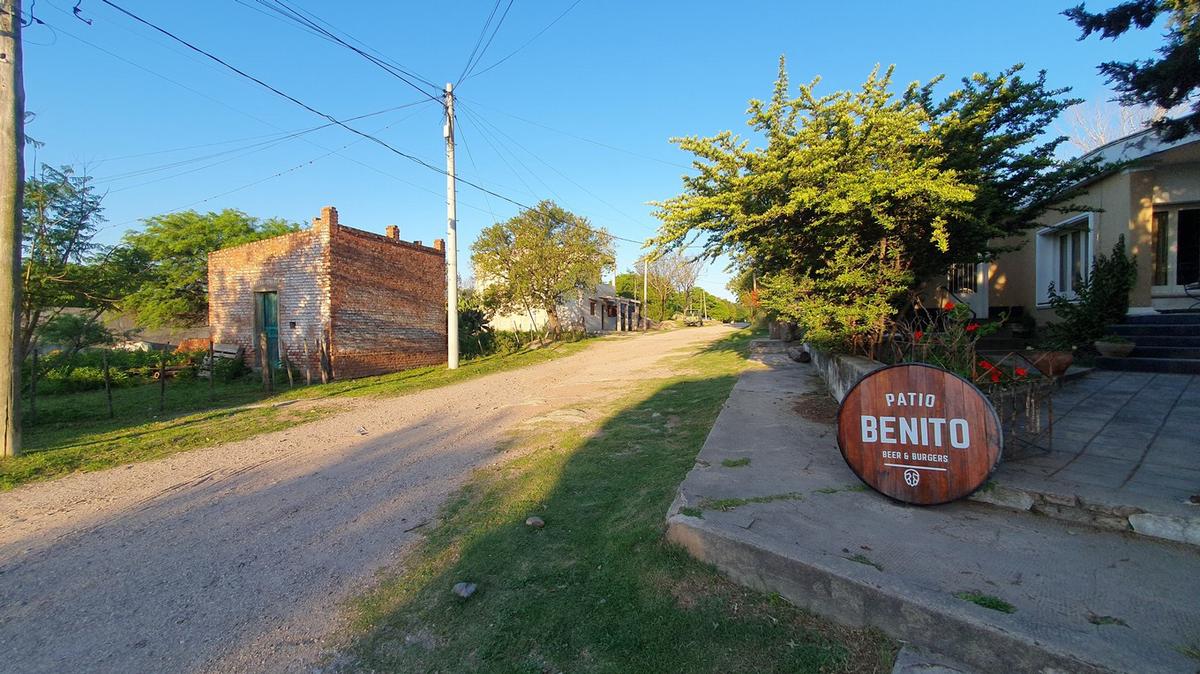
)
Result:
{"points": [[239, 558]]}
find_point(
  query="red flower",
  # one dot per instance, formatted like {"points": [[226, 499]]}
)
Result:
{"points": [[1021, 372], [948, 306], [918, 335], [995, 376], [986, 365], [972, 327]]}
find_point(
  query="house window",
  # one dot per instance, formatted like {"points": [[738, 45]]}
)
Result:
{"points": [[1064, 257], [593, 307], [1162, 248], [1176, 247]]}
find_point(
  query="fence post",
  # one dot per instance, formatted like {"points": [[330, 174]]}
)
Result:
{"points": [[307, 364], [108, 384], [264, 361], [287, 364], [212, 371], [162, 378]]}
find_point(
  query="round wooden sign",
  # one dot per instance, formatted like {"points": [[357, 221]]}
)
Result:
{"points": [[919, 434]]}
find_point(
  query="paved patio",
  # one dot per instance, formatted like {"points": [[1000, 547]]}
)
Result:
{"points": [[1122, 438]]}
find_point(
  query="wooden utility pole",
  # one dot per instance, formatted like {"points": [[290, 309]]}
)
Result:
{"points": [[12, 189], [451, 237]]}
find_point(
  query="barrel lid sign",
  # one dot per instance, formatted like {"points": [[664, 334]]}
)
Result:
{"points": [[919, 434]]}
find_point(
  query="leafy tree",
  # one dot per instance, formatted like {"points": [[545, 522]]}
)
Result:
{"points": [[61, 214], [536, 257], [1169, 81], [73, 333], [858, 197], [175, 248]]}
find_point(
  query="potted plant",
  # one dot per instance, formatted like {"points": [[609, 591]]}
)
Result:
{"points": [[1051, 360], [1114, 346]]}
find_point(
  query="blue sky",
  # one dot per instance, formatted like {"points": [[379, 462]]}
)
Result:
{"points": [[629, 75]]}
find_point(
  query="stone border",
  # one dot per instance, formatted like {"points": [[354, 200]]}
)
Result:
{"points": [[840, 372]]}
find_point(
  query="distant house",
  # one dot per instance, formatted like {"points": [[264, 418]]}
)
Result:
{"points": [[1154, 201], [380, 301], [594, 311]]}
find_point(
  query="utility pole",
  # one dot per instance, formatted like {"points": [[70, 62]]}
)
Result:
{"points": [[704, 302], [451, 237], [645, 290], [12, 189]]}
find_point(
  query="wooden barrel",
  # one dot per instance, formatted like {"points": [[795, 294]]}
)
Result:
{"points": [[919, 434]]}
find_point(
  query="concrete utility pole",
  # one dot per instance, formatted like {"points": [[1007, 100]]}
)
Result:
{"points": [[704, 302], [12, 190], [451, 237]]}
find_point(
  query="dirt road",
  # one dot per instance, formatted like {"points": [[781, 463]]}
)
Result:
{"points": [[239, 557]]}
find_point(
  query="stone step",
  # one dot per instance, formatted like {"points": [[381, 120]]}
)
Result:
{"points": [[1156, 329], [1165, 341], [1137, 364], [1164, 319], [1166, 351]]}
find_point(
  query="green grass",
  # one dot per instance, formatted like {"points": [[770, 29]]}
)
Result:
{"points": [[736, 463], [727, 504], [863, 559], [987, 601], [1096, 619], [598, 589], [73, 432]]}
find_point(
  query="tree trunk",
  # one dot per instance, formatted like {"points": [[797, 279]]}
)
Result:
{"points": [[12, 192]]}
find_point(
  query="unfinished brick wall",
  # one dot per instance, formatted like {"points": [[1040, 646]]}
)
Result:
{"points": [[381, 300], [388, 304]]}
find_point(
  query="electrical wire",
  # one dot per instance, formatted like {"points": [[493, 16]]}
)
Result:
{"points": [[527, 42], [474, 59], [312, 23]]}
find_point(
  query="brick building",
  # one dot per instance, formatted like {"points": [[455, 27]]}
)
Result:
{"points": [[380, 301]]}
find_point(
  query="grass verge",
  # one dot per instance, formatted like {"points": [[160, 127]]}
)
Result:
{"points": [[73, 432], [597, 589]]}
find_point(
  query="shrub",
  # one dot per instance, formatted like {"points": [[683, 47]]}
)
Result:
{"points": [[1100, 300]]}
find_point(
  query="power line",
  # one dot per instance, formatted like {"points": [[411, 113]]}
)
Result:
{"points": [[475, 58], [295, 132], [334, 120], [582, 138], [312, 23], [297, 167], [527, 42], [271, 141]]}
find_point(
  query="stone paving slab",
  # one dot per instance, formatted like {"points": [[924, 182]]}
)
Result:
{"points": [[1122, 444], [796, 521]]}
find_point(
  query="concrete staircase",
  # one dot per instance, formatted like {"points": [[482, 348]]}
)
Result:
{"points": [[1164, 343]]}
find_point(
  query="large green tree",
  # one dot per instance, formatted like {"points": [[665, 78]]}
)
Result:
{"points": [[856, 198], [175, 248], [61, 213], [535, 258], [1166, 82]]}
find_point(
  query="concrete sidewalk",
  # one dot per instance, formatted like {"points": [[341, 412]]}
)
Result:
{"points": [[796, 521]]}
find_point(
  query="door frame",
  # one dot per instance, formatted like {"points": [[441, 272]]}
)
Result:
{"points": [[260, 326]]}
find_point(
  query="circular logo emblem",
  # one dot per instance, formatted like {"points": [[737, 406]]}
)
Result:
{"points": [[919, 434]]}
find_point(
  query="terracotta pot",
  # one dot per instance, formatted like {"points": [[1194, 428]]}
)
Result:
{"points": [[1052, 363], [1114, 349]]}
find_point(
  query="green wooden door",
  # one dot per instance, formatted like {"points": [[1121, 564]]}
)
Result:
{"points": [[267, 313]]}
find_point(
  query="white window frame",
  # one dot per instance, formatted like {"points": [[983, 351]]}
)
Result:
{"points": [[1048, 252]]}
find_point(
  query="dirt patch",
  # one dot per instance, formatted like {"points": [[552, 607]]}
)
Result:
{"points": [[816, 406]]}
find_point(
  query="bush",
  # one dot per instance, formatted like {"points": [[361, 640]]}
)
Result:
{"points": [[79, 379], [1100, 301]]}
